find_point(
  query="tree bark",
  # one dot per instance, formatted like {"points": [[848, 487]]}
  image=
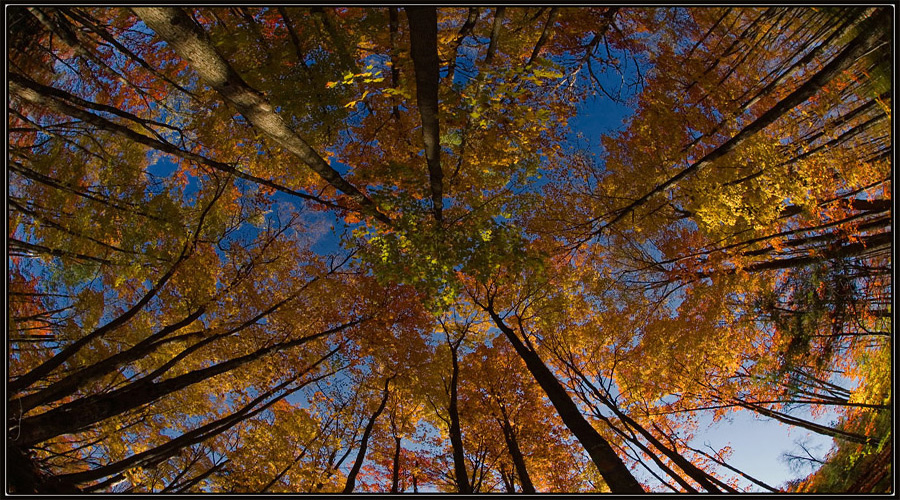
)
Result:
{"points": [[495, 34], [456, 442], [423, 47], [395, 471], [516, 454]]}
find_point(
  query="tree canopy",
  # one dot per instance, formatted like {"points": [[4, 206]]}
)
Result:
{"points": [[327, 249]]}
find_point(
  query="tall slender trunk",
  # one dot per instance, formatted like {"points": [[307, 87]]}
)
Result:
{"points": [[423, 49], [702, 478], [456, 442], [518, 460], [156, 455], [729, 467], [495, 34], [610, 466], [806, 424], [68, 385], [364, 444], [395, 472], [545, 36]]}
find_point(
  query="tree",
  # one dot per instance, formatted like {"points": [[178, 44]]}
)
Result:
{"points": [[310, 249]]}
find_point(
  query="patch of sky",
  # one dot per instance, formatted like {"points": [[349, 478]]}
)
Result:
{"points": [[466, 70], [160, 165], [598, 115], [758, 444], [341, 167], [326, 230]]}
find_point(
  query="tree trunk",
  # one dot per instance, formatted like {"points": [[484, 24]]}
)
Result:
{"points": [[867, 245], [156, 455], [518, 460], [803, 61], [459, 461], [495, 35], [806, 424], [361, 455], [729, 467], [395, 472], [545, 35], [23, 248], [423, 47], [690, 469], [507, 480], [71, 383], [610, 466]]}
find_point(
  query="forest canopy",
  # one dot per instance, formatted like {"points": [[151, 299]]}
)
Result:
{"points": [[319, 249]]}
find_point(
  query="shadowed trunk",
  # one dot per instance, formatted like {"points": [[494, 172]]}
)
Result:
{"points": [[610, 466], [395, 472], [456, 442], [495, 35], [156, 455], [545, 35], [423, 41], [518, 460], [361, 455]]}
